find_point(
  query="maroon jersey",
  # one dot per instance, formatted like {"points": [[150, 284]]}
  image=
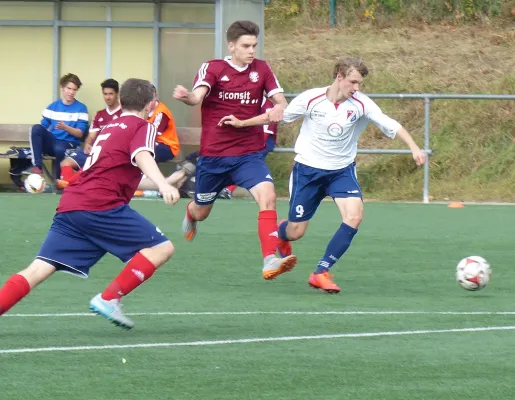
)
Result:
{"points": [[110, 176], [103, 117], [237, 91]]}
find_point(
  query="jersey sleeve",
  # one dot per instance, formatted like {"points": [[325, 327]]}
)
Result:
{"points": [[161, 123], [297, 108], [387, 125], [272, 85], [143, 140], [95, 125], [206, 76]]}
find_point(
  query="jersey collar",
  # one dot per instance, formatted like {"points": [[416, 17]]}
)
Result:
{"points": [[239, 69]]}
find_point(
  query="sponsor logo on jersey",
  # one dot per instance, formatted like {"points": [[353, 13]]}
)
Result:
{"points": [[243, 97], [335, 130]]}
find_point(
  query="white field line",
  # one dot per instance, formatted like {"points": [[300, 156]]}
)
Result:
{"points": [[215, 313], [254, 340]]}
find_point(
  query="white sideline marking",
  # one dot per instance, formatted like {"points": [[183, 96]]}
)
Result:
{"points": [[254, 340], [188, 313]]}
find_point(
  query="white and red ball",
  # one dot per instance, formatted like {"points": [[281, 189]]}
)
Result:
{"points": [[34, 183], [473, 273]]}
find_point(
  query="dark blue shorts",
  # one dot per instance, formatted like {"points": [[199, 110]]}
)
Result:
{"points": [[269, 145], [79, 157], [163, 153], [77, 240], [309, 186], [215, 173]]}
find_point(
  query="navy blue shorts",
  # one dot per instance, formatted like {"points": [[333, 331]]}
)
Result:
{"points": [[215, 173], [269, 145], [163, 153], [77, 240], [309, 186], [79, 157]]}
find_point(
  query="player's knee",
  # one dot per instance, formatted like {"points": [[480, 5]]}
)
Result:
{"points": [[267, 201], [354, 219], [160, 254], [67, 162], [296, 231]]}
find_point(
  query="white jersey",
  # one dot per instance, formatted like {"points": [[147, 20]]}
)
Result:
{"points": [[329, 134]]}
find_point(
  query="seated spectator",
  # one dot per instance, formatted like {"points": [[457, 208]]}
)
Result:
{"points": [[64, 123], [76, 158], [167, 142]]}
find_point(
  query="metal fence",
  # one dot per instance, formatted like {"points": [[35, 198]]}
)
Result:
{"points": [[426, 97]]}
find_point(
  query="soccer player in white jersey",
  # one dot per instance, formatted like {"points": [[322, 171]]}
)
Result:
{"points": [[326, 149]]}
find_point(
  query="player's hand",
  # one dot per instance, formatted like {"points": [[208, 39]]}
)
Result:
{"points": [[87, 148], [170, 193], [275, 115], [61, 125], [230, 120], [420, 157], [180, 93]]}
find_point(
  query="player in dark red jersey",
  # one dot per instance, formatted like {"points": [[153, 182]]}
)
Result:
{"points": [[76, 158], [94, 218], [235, 85]]}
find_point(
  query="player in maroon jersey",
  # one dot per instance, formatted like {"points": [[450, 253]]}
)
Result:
{"points": [[235, 85], [94, 218], [76, 158]]}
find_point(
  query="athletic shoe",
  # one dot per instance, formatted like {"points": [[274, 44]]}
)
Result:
{"points": [[110, 310], [323, 281], [273, 266]]}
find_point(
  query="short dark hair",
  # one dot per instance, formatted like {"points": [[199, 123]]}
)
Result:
{"points": [[110, 84], [346, 64], [70, 78], [135, 94], [241, 28]]}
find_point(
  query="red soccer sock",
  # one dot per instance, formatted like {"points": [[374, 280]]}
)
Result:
{"points": [[74, 177], [231, 188], [15, 289], [267, 230], [67, 172], [137, 271], [188, 214]]}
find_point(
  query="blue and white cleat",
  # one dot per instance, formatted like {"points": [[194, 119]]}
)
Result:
{"points": [[111, 310]]}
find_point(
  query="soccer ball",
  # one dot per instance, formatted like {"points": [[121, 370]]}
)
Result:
{"points": [[34, 183], [473, 273]]}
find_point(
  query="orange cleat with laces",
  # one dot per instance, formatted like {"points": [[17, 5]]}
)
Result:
{"points": [[323, 281]]}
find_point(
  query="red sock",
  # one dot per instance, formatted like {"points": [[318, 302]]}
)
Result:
{"points": [[188, 214], [231, 188], [15, 289], [74, 177], [137, 271], [67, 172], [267, 229]]}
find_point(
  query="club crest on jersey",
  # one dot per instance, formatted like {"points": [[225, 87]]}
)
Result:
{"points": [[352, 115], [254, 76]]}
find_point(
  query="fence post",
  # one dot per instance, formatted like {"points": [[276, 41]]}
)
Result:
{"points": [[427, 103], [332, 11]]}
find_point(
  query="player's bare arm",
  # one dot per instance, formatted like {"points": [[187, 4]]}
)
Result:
{"points": [[190, 98], [276, 113], [72, 131], [148, 166], [262, 119], [418, 155], [88, 143]]}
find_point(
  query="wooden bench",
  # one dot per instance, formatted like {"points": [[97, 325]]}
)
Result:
{"points": [[18, 135]]}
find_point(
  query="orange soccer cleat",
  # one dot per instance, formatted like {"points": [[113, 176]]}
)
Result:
{"points": [[323, 281], [284, 246], [276, 266]]}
